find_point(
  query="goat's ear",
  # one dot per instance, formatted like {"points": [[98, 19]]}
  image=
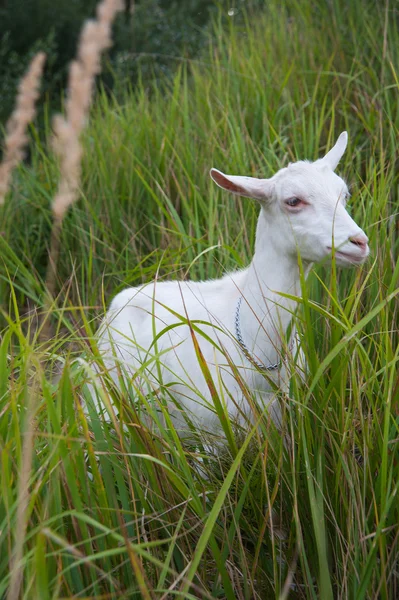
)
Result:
{"points": [[252, 187], [334, 155]]}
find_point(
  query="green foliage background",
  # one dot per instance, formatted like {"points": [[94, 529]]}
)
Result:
{"points": [[148, 37], [128, 511]]}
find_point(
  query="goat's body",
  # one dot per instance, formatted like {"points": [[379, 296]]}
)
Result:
{"points": [[173, 335], [137, 315]]}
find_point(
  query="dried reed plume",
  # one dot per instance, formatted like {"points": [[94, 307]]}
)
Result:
{"points": [[24, 112], [95, 37], [14, 143]]}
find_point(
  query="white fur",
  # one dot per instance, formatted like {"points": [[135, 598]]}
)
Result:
{"points": [[311, 229]]}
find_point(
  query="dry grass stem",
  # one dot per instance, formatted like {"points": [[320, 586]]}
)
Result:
{"points": [[17, 564], [94, 39], [24, 112]]}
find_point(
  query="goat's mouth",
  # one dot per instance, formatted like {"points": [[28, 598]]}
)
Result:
{"points": [[349, 257]]}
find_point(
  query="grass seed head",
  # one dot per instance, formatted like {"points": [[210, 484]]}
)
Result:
{"points": [[94, 39], [16, 138]]}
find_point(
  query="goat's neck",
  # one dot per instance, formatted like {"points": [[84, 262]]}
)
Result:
{"points": [[265, 315]]}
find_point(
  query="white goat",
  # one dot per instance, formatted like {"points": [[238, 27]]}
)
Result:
{"points": [[243, 314]]}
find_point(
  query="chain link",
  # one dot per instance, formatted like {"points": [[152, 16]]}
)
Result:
{"points": [[244, 347]]}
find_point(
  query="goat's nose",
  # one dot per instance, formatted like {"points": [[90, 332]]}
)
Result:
{"points": [[360, 240]]}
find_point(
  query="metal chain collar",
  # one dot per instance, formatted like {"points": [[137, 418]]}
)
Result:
{"points": [[244, 347]]}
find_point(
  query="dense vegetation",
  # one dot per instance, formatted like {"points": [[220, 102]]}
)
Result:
{"points": [[149, 37], [121, 511]]}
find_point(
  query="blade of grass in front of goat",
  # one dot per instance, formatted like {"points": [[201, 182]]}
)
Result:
{"points": [[213, 515], [346, 339], [220, 409]]}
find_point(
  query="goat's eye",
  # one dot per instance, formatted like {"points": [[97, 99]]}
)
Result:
{"points": [[293, 202]]}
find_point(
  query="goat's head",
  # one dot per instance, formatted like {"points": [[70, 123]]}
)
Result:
{"points": [[303, 208]]}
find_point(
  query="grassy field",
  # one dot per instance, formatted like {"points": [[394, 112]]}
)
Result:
{"points": [[120, 510]]}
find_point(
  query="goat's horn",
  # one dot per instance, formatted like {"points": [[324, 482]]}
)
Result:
{"points": [[334, 155]]}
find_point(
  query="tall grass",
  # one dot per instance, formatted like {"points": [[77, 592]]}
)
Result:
{"points": [[129, 510]]}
